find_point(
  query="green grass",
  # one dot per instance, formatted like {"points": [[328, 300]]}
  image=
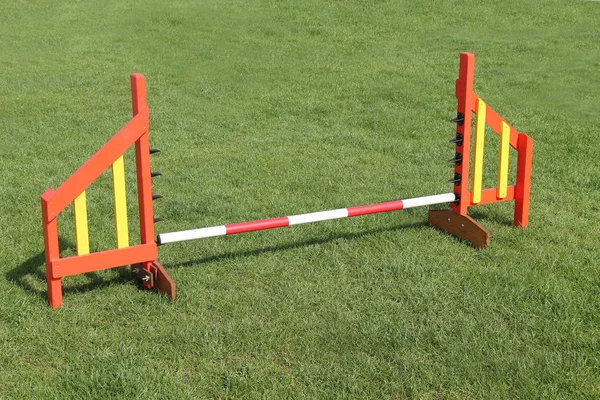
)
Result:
{"points": [[269, 108]]}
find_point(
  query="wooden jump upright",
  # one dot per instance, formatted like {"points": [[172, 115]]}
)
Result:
{"points": [[143, 256]]}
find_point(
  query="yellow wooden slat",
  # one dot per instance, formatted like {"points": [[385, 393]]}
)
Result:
{"points": [[118, 177], [478, 152], [81, 225], [503, 161]]}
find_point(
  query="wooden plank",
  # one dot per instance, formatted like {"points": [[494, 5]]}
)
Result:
{"points": [[50, 228], [98, 163], [82, 240], [503, 161], [523, 186], [478, 152], [164, 283], [142, 160], [120, 198], [103, 260], [494, 121], [488, 196], [461, 226], [466, 102]]}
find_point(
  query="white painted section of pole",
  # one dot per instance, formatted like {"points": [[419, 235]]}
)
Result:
{"points": [[192, 234], [429, 200], [318, 216]]}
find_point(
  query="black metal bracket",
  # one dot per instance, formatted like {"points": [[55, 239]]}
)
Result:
{"points": [[456, 179], [457, 159], [146, 277], [460, 119], [458, 140]]}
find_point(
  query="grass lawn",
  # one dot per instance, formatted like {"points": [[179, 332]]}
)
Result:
{"points": [[266, 108]]}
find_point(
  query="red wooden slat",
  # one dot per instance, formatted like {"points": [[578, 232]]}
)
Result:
{"points": [[466, 102], [51, 245], [102, 260], [523, 187], [494, 121], [97, 164], [488, 196]]}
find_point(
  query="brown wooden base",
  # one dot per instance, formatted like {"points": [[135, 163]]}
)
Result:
{"points": [[164, 283], [146, 277], [156, 277], [461, 226]]}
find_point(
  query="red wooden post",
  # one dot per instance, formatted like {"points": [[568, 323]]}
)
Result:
{"points": [[466, 97], [50, 228], [142, 159], [523, 183]]}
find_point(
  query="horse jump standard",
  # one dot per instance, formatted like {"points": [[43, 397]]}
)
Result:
{"points": [[143, 256]]}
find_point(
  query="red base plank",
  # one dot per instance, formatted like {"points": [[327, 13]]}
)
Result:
{"points": [[102, 260]]}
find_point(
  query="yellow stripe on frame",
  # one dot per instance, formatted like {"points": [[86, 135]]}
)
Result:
{"points": [[82, 240], [118, 177], [501, 191], [478, 153]]}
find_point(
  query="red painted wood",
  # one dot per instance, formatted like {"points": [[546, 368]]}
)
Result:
{"points": [[259, 225], [523, 186], [142, 162], [104, 259], [54, 202], [375, 208], [488, 196], [50, 228], [494, 121], [466, 104], [97, 164]]}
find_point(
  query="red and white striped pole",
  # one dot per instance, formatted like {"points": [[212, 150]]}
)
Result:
{"points": [[281, 222]]}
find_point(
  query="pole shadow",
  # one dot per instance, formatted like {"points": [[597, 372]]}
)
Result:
{"points": [[493, 216], [30, 275], [294, 245]]}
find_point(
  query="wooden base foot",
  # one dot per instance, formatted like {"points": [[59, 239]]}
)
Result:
{"points": [[461, 226], [156, 277], [164, 283]]}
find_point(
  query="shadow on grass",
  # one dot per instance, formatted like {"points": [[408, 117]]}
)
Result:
{"points": [[493, 216], [295, 245], [31, 276]]}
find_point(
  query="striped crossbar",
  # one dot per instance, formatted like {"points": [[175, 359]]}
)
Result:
{"points": [[281, 222]]}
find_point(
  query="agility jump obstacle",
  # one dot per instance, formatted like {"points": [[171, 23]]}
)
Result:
{"points": [[143, 256]]}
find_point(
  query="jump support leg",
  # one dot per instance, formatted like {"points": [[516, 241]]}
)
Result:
{"points": [[461, 226], [156, 277]]}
